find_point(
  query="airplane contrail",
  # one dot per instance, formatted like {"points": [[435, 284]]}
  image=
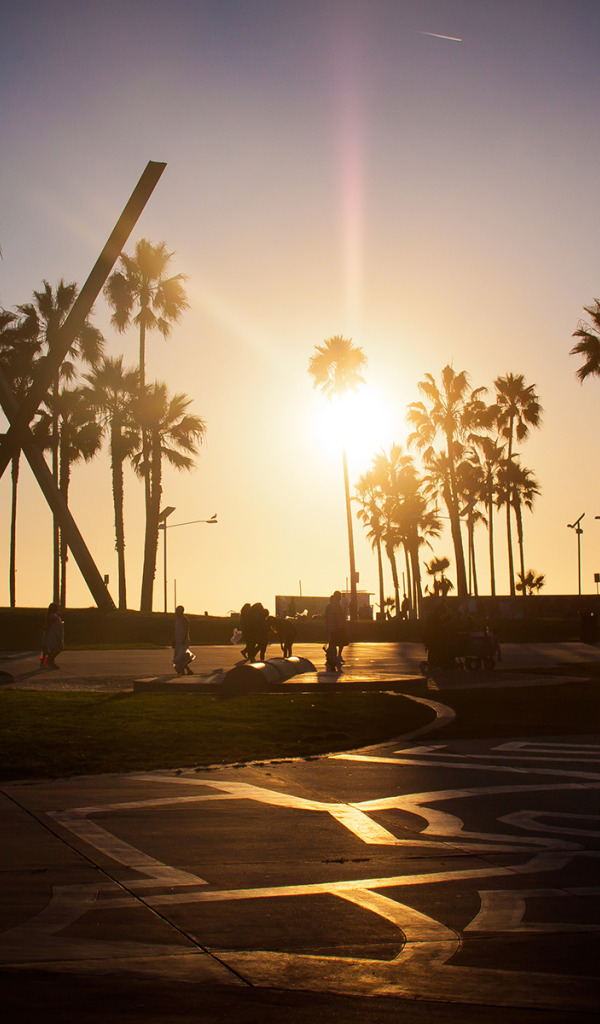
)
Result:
{"points": [[436, 35]]}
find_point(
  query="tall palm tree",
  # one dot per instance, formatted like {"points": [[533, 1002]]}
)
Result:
{"points": [[408, 519], [80, 438], [173, 435], [519, 488], [386, 470], [371, 515], [145, 293], [489, 453], [19, 347], [50, 308], [518, 409], [448, 414], [335, 368], [471, 479], [112, 390], [589, 344]]}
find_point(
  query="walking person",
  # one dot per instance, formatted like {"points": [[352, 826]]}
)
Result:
{"points": [[182, 656], [286, 634], [52, 637], [244, 623], [265, 633], [337, 633]]}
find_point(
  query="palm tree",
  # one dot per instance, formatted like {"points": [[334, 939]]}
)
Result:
{"points": [[386, 470], [530, 581], [489, 454], [471, 484], [112, 389], [437, 569], [19, 347], [50, 309], [407, 516], [518, 486], [448, 415], [142, 293], [80, 438], [589, 344], [518, 409], [371, 515], [335, 368], [173, 434]]}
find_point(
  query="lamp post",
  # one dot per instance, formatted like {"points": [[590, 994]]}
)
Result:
{"points": [[162, 525], [578, 530]]}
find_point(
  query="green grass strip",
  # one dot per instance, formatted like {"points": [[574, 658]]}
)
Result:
{"points": [[48, 735]]}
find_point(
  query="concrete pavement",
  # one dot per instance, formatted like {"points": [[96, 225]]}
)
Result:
{"points": [[364, 662], [417, 880]]}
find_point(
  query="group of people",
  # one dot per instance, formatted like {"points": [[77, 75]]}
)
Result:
{"points": [[258, 629]]}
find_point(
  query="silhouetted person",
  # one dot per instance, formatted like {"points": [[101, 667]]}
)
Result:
{"points": [[337, 633], [254, 628], [182, 656], [441, 636], [265, 633], [286, 634], [52, 637], [244, 624]]}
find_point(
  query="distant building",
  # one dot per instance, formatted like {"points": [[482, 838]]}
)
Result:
{"points": [[314, 607]]}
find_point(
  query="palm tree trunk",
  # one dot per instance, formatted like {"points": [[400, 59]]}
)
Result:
{"points": [[472, 556], [416, 575], [519, 521], [12, 582], [511, 563], [64, 489], [389, 550], [151, 536], [353, 597], [491, 542], [409, 582], [380, 571], [451, 499], [116, 461], [55, 527]]}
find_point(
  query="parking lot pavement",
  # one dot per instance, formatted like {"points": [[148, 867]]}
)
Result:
{"points": [[461, 873]]}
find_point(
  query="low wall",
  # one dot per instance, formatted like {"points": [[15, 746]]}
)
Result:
{"points": [[533, 619]]}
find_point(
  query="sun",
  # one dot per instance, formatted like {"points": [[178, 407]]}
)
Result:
{"points": [[359, 421]]}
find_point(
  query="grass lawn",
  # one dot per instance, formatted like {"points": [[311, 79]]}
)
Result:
{"points": [[48, 735]]}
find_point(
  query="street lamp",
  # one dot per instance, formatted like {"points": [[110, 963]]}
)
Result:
{"points": [[578, 530], [162, 525]]}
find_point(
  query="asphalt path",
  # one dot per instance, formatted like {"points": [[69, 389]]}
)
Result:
{"points": [[417, 880], [120, 669]]}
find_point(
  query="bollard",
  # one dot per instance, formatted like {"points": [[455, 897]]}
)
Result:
{"points": [[263, 676]]}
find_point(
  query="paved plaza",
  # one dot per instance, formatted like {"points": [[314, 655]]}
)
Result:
{"points": [[421, 880]]}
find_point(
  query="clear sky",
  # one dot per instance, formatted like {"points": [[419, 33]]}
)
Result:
{"points": [[334, 167]]}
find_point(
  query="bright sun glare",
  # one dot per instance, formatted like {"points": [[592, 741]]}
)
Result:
{"points": [[359, 420]]}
